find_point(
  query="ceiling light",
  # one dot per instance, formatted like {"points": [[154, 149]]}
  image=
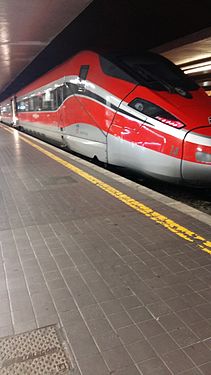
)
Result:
{"points": [[190, 66], [198, 70], [207, 83]]}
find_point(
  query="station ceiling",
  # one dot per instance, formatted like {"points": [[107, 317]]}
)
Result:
{"points": [[37, 35], [193, 54], [27, 27]]}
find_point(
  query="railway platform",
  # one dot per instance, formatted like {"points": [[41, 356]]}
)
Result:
{"points": [[98, 275]]}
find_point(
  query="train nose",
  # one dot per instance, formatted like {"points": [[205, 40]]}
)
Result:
{"points": [[196, 161]]}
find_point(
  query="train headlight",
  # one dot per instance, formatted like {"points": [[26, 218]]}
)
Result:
{"points": [[156, 112], [203, 157]]}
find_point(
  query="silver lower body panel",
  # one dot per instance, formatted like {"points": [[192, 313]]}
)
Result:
{"points": [[143, 160], [195, 173], [6, 120], [87, 140], [86, 147], [43, 131]]}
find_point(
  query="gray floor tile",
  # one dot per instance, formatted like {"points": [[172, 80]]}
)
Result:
{"points": [[140, 351], [108, 341], [199, 353], [189, 316], [5, 320], [117, 358], [131, 370], [140, 314], [24, 326], [171, 322], [83, 346], [127, 302], [112, 307], [163, 344], [193, 371], [151, 328], [184, 336], [202, 329], [120, 320], [93, 365], [206, 368], [130, 302], [153, 366], [177, 361], [130, 334], [6, 330]]}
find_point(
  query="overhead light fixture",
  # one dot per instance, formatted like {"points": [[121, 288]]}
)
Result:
{"points": [[195, 65], [206, 83], [197, 68]]}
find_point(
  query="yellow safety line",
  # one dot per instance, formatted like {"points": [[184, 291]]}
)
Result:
{"points": [[169, 224]]}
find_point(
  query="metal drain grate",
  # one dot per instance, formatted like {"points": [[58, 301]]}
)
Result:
{"points": [[38, 352]]}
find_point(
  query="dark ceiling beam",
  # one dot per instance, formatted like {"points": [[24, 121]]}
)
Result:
{"points": [[184, 40], [202, 77]]}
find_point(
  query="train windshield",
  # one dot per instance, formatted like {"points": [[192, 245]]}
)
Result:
{"points": [[157, 73]]}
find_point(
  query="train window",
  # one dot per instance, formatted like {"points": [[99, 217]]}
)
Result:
{"points": [[47, 101], [54, 99], [39, 102], [59, 95], [68, 90], [31, 104], [21, 106], [83, 72], [35, 104], [26, 104], [156, 112], [158, 73], [8, 108], [113, 70]]}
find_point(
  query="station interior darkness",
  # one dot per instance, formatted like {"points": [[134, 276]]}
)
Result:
{"points": [[128, 25]]}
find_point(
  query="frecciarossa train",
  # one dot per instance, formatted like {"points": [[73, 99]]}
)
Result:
{"points": [[135, 111]]}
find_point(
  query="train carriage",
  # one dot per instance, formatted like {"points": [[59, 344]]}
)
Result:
{"points": [[137, 111]]}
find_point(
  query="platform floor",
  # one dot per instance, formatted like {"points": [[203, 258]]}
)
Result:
{"points": [[124, 273]]}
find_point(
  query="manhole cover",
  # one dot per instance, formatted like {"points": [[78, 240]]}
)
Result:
{"points": [[38, 352]]}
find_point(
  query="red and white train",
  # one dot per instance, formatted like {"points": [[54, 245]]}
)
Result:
{"points": [[139, 112]]}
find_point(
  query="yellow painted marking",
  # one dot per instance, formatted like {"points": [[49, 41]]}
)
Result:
{"points": [[169, 224]]}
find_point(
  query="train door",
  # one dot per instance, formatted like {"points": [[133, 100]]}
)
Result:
{"points": [[60, 105], [126, 134], [53, 112], [124, 138], [67, 117], [70, 116], [14, 110], [140, 142], [84, 134]]}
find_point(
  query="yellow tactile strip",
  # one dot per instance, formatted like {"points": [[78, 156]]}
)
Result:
{"points": [[179, 230]]}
